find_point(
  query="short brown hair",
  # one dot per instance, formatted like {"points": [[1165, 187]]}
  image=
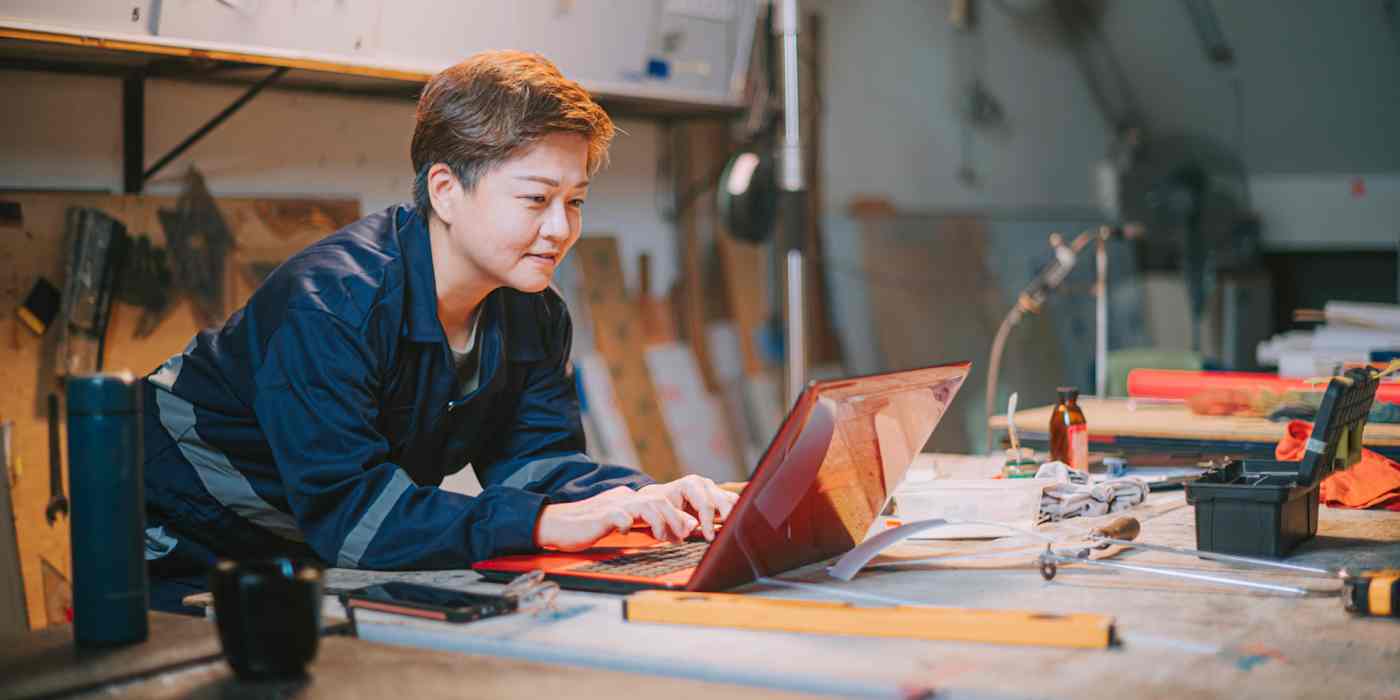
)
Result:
{"points": [[480, 112]]}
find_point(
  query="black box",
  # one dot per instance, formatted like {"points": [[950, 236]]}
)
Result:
{"points": [[1267, 507]]}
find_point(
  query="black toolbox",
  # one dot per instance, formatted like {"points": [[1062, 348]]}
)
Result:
{"points": [[1267, 507]]}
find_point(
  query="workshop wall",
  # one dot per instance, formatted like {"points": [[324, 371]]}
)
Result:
{"points": [[1310, 104], [894, 112], [68, 137], [1318, 97], [1319, 83]]}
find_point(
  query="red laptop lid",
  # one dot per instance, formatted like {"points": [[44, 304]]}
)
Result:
{"points": [[842, 450]]}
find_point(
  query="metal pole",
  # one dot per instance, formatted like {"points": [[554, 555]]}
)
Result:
{"points": [[796, 332], [786, 22], [1101, 316], [792, 131]]}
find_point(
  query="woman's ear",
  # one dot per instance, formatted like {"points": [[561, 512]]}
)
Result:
{"points": [[444, 191]]}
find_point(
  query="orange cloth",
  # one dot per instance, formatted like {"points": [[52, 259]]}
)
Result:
{"points": [[1374, 482]]}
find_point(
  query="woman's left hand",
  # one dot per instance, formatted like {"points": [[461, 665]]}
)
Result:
{"points": [[699, 495]]}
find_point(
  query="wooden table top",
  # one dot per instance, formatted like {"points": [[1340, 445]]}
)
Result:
{"points": [[1180, 638], [45, 664]]}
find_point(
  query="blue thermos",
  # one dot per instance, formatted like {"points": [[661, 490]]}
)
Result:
{"points": [[108, 519]]}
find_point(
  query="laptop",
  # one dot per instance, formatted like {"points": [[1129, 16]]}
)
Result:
{"points": [[839, 454]]}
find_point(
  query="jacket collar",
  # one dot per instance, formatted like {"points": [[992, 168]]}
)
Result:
{"points": [[421, 315]]}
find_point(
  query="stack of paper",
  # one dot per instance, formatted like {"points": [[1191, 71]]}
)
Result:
{"points": [[1354, 331]]}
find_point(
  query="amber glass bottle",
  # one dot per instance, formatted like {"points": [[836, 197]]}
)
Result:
{"points": [[1069, 431]]}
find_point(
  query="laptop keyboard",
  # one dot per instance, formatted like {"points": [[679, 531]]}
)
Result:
{"points": [[650, 562]]}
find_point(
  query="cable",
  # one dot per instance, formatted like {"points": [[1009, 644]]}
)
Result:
{"points": [[994, 369]]}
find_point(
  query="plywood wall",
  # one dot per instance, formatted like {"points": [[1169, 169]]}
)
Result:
{"points": [[263, 228]]}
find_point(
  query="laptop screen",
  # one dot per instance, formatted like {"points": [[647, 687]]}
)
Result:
{"points": [[843, 449]]}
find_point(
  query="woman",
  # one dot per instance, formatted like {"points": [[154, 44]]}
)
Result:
{"points": [[319, 420]]}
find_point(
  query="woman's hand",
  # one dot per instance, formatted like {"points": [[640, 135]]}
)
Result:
{"points": [[699, 496], [576, 526]]}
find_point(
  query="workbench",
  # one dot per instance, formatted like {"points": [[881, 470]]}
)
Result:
{"points": [[1138, 425], [1178, 637], [181, 660]]}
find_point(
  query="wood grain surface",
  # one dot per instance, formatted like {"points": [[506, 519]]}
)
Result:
{"points": [[266, 230], [351, 669], [45, 663], [617, 332]]}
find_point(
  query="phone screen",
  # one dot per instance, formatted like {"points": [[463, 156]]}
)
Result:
{"points": [[429, 601]]}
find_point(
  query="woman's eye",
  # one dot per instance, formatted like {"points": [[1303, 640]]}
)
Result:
{"points": [[536, 198], [576, 203]]}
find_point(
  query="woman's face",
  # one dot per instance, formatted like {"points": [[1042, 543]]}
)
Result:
{"points": [[523, 216]]}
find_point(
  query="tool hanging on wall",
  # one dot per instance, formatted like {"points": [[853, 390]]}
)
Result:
{"points": [[96, 246], [39, 307], [146, 284], [58, 503], [199, 242]]}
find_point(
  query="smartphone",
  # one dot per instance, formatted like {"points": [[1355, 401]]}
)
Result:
{"points": [[428, 602]]}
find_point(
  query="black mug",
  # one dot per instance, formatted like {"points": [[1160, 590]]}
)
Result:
{"points": [[268, 614]]}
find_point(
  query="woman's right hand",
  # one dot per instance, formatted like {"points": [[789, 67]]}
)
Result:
{"points": [[575, 526]]}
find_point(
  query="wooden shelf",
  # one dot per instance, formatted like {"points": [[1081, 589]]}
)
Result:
{"points": [[1125, 420], [27, 46]]}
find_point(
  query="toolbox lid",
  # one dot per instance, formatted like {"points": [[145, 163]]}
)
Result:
{"points": [[103, 393], [1335, 442]]}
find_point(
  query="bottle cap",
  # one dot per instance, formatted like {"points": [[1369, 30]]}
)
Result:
{"points": [[95, 394], [1068, 393]]}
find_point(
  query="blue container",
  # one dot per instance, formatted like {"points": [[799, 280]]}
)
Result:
{"points": [[110, 590]]}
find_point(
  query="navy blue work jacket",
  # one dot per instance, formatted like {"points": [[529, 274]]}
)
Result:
{"points": [[321, 417]]}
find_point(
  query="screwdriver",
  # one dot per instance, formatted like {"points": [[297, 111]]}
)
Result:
{"points": [[1122, 532], [1375, 593]]}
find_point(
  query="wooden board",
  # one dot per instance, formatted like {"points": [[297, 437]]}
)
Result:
{"points": [[1077, 631], [931, 302], [704, 145], [657, 315], [822, 345], [265, 229], [618, 334], [229, 53], [746, 289], [1174, 421], [699, 432]]}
